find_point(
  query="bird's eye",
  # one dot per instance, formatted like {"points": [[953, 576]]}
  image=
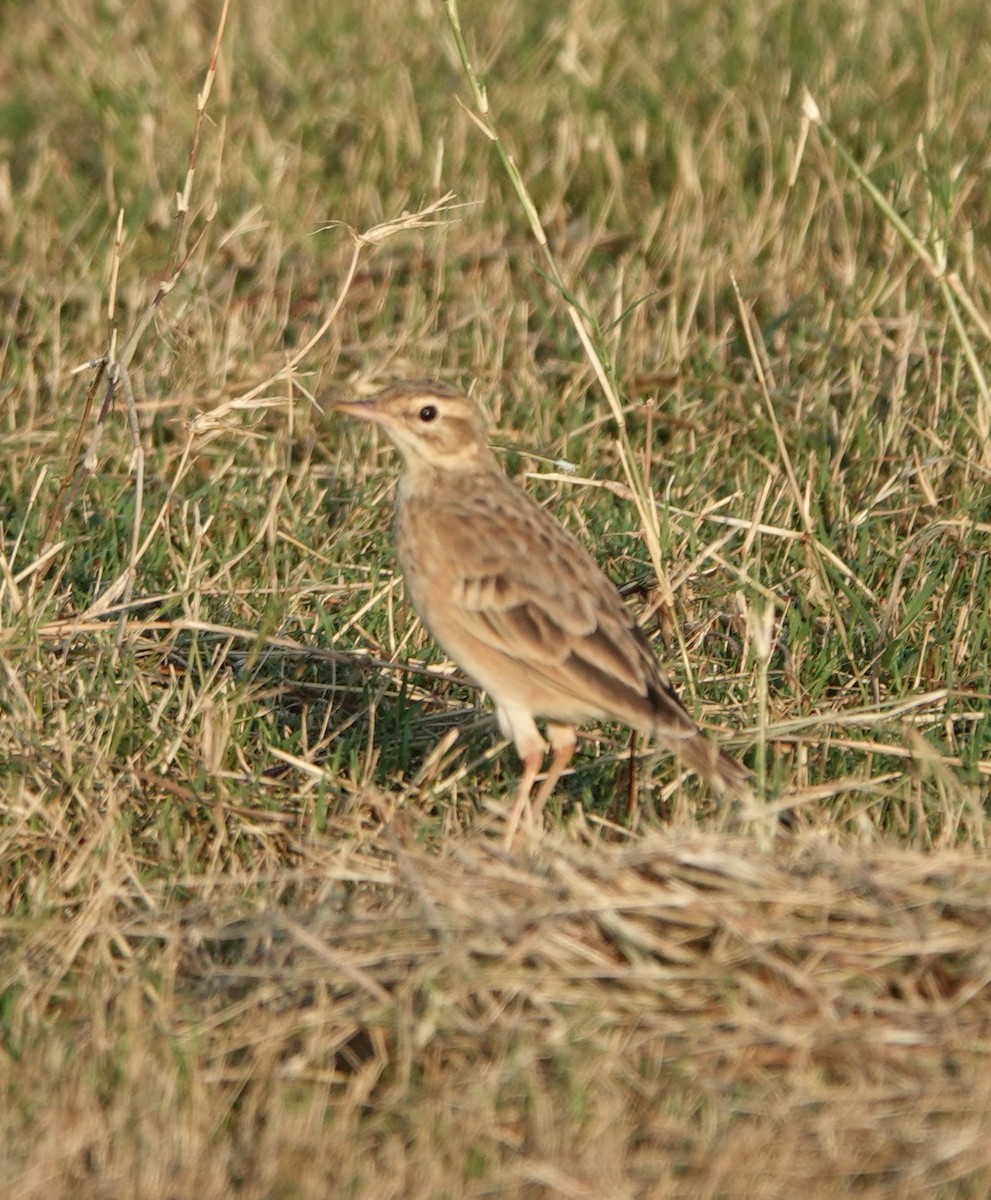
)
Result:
{"points": [[428, 412]]}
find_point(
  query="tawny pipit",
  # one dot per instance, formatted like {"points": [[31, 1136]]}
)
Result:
{"points": [[517, 601]]}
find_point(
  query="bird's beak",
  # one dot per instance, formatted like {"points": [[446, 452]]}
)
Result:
{"points": [[363, 409]]}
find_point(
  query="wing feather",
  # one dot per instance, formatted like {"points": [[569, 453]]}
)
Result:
{"points": [[526, 588]]}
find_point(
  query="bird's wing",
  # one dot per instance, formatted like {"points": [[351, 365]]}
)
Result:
{"points": [[525, 587]]}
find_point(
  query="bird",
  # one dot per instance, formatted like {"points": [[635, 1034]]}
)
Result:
{"points": [[518, 602]]}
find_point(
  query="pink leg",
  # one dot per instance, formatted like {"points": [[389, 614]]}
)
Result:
{"points": [[563, 741], [518, 723], [531, 765]]}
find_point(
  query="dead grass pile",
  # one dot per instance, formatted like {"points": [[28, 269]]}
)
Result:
{"points": [[682, 1016]]}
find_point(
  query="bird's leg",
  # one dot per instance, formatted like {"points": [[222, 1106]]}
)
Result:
{"points": [[563, 741], [519, 724], [531, 765]]}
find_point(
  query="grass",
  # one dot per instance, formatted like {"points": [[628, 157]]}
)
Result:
{"points": [[257, 936]]}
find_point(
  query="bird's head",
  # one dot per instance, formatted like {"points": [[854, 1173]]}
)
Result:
{"points": [[431, 424]]}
